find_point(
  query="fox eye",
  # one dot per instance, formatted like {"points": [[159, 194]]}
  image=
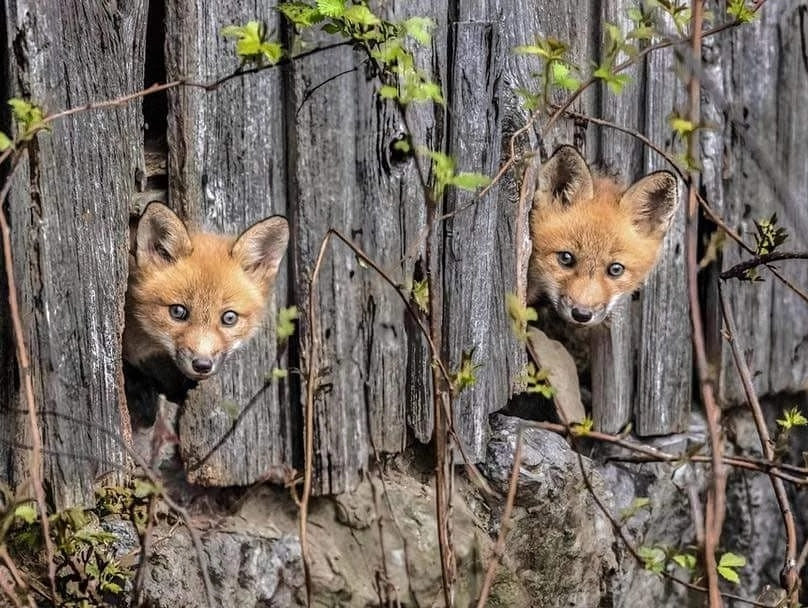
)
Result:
{"points": [[229, 317], [178, 312], [565, 258], [615, 269]]}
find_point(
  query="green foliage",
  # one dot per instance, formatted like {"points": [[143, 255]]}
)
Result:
{"points": [[791, 418], [30, 120], [286, 322], [740, 11], [252, 45], [654, 558], [384, 42], [520, 315], [687, 561], [444, 174], [679, 12], [536, 381], [769, 235], [87, 573], [420, 295], [728, 564], [558, 73], [466, 375], [583, 428]]}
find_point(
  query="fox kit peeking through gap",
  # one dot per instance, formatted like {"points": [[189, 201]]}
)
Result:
{"points": [[594, 241], [195, 297]]}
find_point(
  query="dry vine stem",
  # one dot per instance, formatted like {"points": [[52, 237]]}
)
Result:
{"points": [[715, 504], [24, 366], [789, 572]]}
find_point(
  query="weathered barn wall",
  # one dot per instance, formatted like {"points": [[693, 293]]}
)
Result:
{"points": [[312, 140]]}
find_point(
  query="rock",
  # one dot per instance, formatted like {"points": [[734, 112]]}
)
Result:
{"points": [[246, 568], [561, 545], [380, 541]]}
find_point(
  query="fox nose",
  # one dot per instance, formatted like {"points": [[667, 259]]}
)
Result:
{"points": [[202, 365], [582, 315]]}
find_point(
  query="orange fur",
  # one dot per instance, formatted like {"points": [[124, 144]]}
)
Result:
{"points": [[596, 223], [206, 274]]}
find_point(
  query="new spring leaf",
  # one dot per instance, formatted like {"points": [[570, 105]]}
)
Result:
{"points": [[251, 44]]}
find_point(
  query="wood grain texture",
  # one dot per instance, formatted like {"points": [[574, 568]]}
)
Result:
{"points": [[227, 170], [663, 347], [764, 172], [68, 212]]}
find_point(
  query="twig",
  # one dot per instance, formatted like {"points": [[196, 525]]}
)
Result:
{"points": [[789, 573], [25, 372], [715, 507], [739, 270]]}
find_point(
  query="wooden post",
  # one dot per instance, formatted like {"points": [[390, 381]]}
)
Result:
{"points": [[68, 214]]}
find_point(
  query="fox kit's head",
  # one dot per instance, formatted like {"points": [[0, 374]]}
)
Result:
{"points": [[593, 240], [197, 297]]}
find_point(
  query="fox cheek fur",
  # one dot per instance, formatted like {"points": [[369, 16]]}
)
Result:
{"points": [[594, 241], [197, 297]]}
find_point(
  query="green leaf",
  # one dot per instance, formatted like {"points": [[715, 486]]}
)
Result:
{"points": [[681, 125], [470, 181], [5, 142], [360, 14], [583, 429], [791, 418], [732, 560], [466, 375], [520, 315], [653, 558], [250, 43], [729, 574], [562, 76], [331, 8], [388, 91], [615, 82], [727, 565], [286, 326], [301, 15], [420, 295], [279, 373], [685, 560], [26, 512], [419, 29], [738, 10]]}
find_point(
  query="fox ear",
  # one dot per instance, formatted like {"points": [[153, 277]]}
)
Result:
{"points": [[161, 237], [652, 201], [260, 248], [564, 178]]}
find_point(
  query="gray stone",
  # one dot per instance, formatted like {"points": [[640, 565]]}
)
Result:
{"points": [[561, 546]]}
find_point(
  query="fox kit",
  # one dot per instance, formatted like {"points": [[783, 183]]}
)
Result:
{"points": [[594, 241], [195, 297]]}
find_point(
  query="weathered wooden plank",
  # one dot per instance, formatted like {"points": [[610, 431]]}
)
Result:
{"points": [[478, 257], [328, 194], [620, 154], [664, 335], [788, 366], [68, 211], [753, 177], [227, 169]]}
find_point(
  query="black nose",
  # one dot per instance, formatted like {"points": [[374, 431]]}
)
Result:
{"points": [[202, 365], [582, 315]]}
